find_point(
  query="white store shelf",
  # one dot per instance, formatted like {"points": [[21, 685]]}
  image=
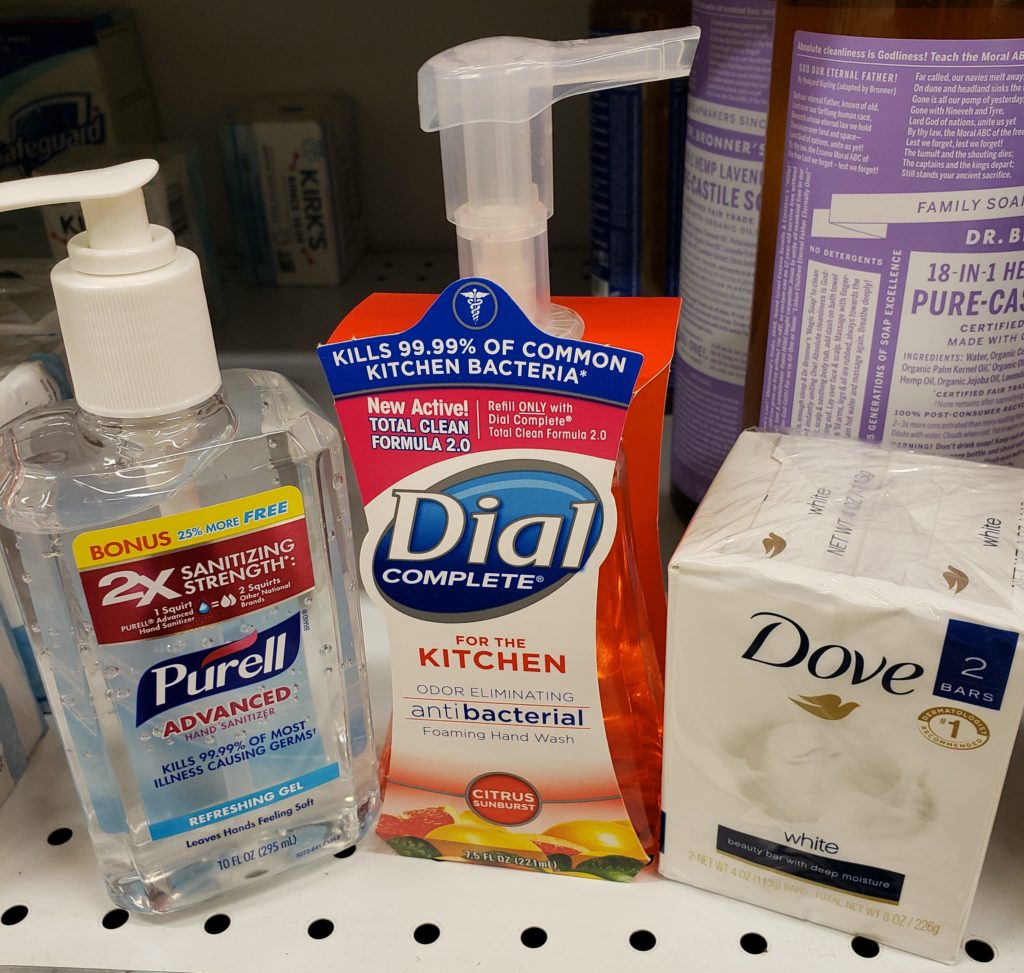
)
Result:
{"points": [[376, 900]]}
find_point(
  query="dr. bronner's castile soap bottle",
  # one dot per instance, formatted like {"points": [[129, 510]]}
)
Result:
{"points": [[185, 569], [888, 301]]}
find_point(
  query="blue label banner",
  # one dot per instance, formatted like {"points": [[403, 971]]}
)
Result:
{"points": [[244, 804], [975, 664], [475, 335]]}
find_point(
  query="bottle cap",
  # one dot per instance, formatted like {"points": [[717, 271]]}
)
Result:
{"points": [[131, 302]]}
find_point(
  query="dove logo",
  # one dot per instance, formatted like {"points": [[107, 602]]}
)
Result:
{"points": [[784, 644], [475, 306], [955, 579], [827, 707], [488, 543], [773, 544]]}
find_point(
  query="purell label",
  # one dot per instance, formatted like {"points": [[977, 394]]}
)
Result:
{"points": [[204, 615], [194, 676], [485, 450], [844, 704]]}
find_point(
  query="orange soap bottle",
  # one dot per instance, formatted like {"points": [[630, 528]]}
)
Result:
{"points": [[501, 546]]}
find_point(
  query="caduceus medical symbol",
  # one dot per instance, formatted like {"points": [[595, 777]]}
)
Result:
{"points": [[475, 300]]}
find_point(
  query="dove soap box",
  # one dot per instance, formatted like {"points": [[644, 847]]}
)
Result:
{"points": [[844, 684]]}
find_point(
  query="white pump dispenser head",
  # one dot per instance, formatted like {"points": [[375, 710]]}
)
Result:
{"points": [[491, 100], [131, 302]]}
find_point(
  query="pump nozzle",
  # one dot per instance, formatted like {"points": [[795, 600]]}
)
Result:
{"points": [[491, 100], [130, 301], [115, 214]]}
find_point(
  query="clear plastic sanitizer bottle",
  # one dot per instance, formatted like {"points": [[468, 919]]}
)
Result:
{"points": [[185, 567]]}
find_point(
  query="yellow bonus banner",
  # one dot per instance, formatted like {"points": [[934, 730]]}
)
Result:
{"points": [[148, 538]]}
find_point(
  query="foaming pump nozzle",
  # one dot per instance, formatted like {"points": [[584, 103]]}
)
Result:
{"points": [[491, 101]]}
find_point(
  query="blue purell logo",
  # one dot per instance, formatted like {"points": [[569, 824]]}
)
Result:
{"points": [[487, 543], [48, 126], [475, 306], [251, 659]]}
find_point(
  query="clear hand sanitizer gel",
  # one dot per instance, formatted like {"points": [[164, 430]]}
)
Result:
{"points": [[185, 569]]}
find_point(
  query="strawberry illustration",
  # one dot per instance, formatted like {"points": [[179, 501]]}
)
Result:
{"points": [[553, 848], [413, 824]]}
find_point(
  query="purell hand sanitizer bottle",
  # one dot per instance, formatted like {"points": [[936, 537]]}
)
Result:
{"points": [[185, 569]]}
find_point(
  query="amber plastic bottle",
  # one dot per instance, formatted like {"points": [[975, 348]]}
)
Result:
{"points": [[910, 19], [632, 690]]}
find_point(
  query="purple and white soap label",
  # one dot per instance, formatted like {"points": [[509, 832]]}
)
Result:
{"points": [[898, 298], [728, 112]]}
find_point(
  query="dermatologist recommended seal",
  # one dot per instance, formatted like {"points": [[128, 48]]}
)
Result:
{"points": [[953, 728]]}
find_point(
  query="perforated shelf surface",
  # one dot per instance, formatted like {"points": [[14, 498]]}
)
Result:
{"points": [[376, 911]]}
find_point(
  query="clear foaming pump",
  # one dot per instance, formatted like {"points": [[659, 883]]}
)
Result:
{"points": [[491, 101], [183, 559]]}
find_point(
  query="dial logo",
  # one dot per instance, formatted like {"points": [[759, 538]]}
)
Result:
{"points": [[502, 535]]}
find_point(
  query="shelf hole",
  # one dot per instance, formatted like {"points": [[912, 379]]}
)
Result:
{"points": [[381, 278], [346, 852], [320, 928], [977, 949], [389, 264], [428, 264], [59, 836], [216, 924], [643, 940], [753, 943], [865, 947], [533, 938], [421, 276], [115, 919], [14, 915], [426, 934]]}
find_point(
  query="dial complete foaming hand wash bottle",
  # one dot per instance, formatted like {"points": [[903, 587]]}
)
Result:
{"points": [[184, 565], [519, 578]]}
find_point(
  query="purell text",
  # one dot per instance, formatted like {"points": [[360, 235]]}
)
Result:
{"points": [[251, 659]]}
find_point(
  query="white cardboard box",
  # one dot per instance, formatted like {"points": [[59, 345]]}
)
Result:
{"points": [[291, 171], [68, 79], [844, 684]]}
